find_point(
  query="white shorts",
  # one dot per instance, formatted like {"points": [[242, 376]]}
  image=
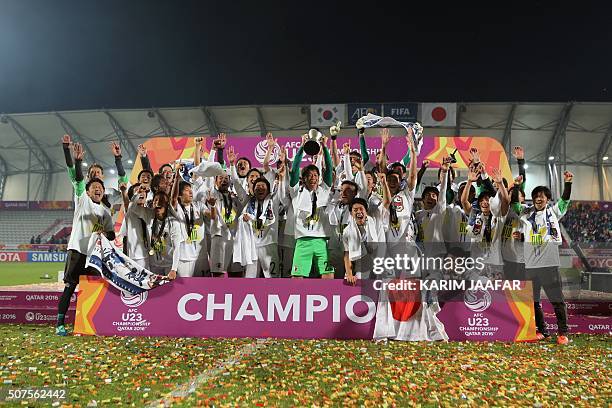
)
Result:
{"points": [[186, 269], [221, 250], [267, 262]]}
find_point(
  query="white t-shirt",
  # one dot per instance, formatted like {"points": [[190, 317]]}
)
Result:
{"points": [[136, 246], [455, 227], [402, 229], [542, 236], [167, 253], [338, 215], [490, 251], [316, 226], [360, 241], [191, 246], [431, 224], [88, 218], [228, 208], [512, 249], [267, 233]]}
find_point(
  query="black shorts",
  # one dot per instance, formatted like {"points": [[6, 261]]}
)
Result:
{"points": [[514, 271], [75, 267]]}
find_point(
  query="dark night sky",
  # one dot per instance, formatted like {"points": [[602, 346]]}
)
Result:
{"points": [[65, 55]]}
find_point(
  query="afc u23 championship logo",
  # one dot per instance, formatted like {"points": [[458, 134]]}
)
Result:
{"points": [[134, 300], [477, 300], [262, 148]]}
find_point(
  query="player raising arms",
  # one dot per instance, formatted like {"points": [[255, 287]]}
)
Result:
{"points": [[90, 217], [311, 224], [541, 233]]}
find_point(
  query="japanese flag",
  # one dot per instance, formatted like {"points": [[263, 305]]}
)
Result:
{"points": [[439, 114], [327, 115]]}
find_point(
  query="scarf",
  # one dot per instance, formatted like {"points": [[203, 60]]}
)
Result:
{"points": [[371, 120]]}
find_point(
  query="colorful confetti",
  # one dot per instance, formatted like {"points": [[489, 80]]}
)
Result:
{"points": [[124, 371]]}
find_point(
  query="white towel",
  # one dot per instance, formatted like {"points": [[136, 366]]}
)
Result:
{"points": [[303, 202], [207, 169], [245, 250], [374, 233]]}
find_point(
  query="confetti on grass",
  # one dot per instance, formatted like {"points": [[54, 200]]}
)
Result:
{"points": [[142, 370]]}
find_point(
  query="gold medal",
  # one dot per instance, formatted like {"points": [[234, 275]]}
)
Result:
{"points": [[151, 252]]}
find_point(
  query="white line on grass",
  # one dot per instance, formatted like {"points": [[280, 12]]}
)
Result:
{"points": [[190, 386]]}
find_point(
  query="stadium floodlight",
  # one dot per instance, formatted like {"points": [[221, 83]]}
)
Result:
{"points": [[84, 164], [130, 161], [551, 158], [604, 158], [112, 171], [526, 166]]}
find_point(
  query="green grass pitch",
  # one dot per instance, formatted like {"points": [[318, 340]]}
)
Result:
{"points": [[22, 273], [122, 371]]}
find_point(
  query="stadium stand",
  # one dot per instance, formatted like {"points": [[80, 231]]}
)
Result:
{"points": [[19, 226], [589, 221]]}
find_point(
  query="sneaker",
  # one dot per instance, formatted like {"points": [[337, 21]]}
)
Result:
{"points": [[541, 336], [61, 331], [562, 339]]}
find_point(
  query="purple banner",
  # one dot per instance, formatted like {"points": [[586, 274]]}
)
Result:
{"points": [[33, 316], [36, 205], [32, 299], [582, 324], [254, 148], [486, 315], [583, 307], [282, 308]]}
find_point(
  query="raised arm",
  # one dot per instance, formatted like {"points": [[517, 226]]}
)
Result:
{"points": [[465, 194], [271, 142], [219, 144], [144, 159], [382, 179], [363, 147], [328, 175], [502, 191], [79, 179], [519, 153], [384, 140], [443, 183], [175, 188], [412, 175], [116, 150], [66, 144], [421, 172], [197, 154], [334, 152], [564, 201], [295, 167]]}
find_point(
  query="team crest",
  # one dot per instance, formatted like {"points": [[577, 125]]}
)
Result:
{"points": [[398, 203]]}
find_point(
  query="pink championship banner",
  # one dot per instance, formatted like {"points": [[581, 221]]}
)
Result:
{"points": [[284, 308], [33, 307], [168, 149]]}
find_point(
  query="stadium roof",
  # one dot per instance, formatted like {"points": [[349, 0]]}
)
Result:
{"points": [[574, 133]]}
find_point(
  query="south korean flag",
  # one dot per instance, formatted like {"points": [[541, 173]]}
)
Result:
{"points": [[327, 115]]}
